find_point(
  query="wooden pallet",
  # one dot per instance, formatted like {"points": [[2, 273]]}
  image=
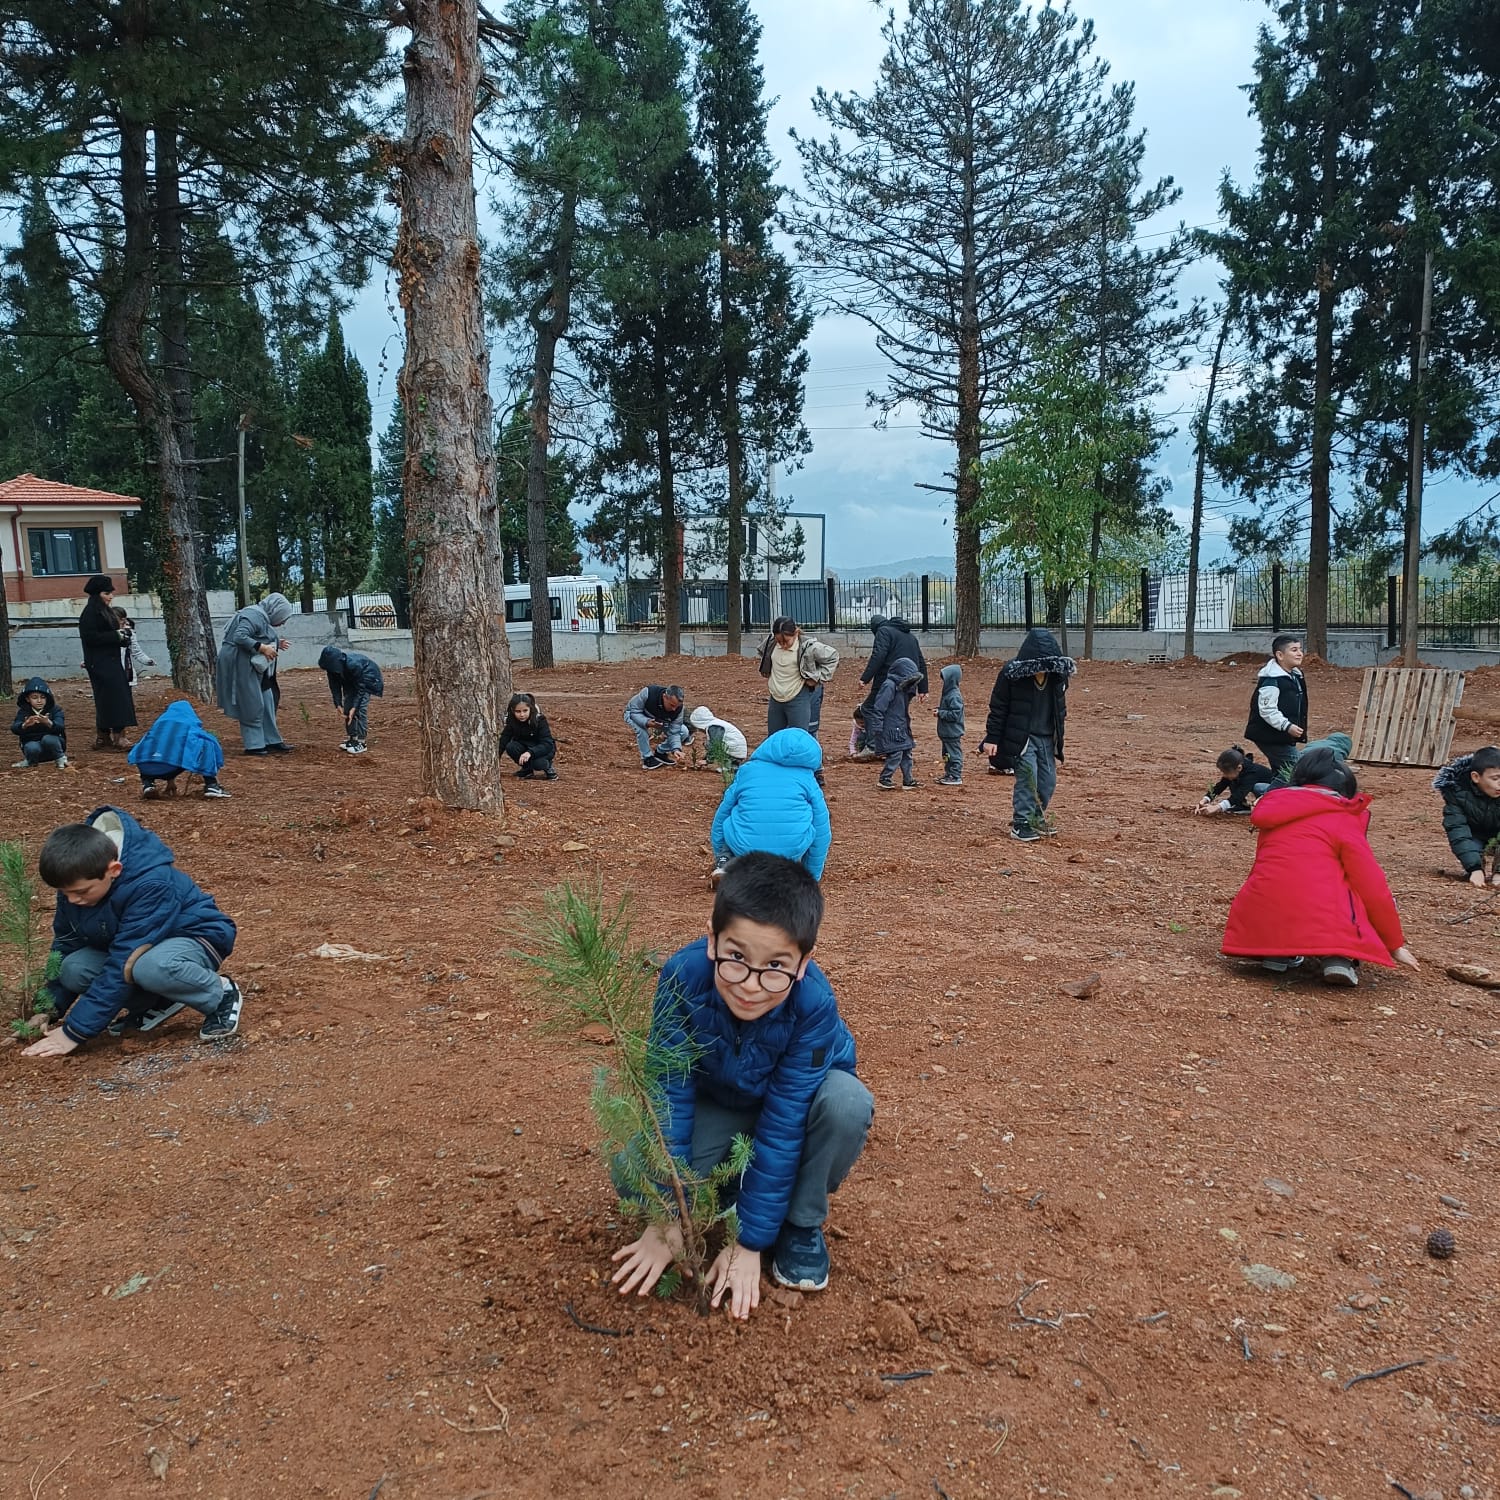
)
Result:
{"points": [[1405, 716]]}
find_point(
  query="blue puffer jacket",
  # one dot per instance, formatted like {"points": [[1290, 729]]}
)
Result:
{"points": [[774, 804], [350, 673], [776, 1064], [177, 741], [150, 900]]}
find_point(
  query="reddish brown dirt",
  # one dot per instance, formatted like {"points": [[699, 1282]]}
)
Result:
{"points": [[365, 1219]]}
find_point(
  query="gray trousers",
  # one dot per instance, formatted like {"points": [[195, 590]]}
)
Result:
{"points": [[258, 736], [358, 710], [174, 969], [897, 760], [1036, 780], [842, 1112], [953, 755], [796, 714]]}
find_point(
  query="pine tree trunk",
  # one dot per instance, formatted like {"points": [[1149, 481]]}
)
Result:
{"points": [[7, 667], [1195, 531], [549, 330], [965, 528], [306, 554], [462, 657], [734, 443], [1321, 469], [1091, 593], [180, 531], [126, 310]]}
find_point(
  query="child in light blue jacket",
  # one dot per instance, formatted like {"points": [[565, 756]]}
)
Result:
{"points": [[774, 804]]}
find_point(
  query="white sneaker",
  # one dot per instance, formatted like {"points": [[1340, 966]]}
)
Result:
{"points": [[62, 762], [20, 765], [354, 747]]}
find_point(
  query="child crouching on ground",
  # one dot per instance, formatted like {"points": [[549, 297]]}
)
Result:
{"points": [[1316, 889], [134, 933], [773, 1060], [1470, 789], [774, 804], [527, 739], [1234, 791], [39, 727], [723, 744], [175, 743], [353, 679]]}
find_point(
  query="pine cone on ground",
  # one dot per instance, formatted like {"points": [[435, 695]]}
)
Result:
{"points": [[1441, 1244]]}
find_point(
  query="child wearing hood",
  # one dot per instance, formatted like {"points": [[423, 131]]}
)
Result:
{"points": [[950, 726], [353, 679], [719, 732], [1024, 730], [1316, 889], [888, 723], [39, 726], [133, 932], [175, 743], [775, 805], [1470, 789]]}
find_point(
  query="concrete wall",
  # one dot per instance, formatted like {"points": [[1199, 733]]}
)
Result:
{"points": [[51, 650]]}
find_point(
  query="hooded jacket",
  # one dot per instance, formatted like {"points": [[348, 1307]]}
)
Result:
{"points": [[816, 660], [774, 804], [28, 733], [177, 741], [1015, 707], [149, 901], [888, 719], [1267, 724], [240, 689], [1470, 818], [893, 640], [532, 737], [720, 732], [950, 712], [774, 1065], [1316, 887], [350, 673]]}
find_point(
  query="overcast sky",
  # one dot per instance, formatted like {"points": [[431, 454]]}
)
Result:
{"points": [[1188, 60]]}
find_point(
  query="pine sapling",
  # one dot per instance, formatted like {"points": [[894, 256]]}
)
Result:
{"points": [[717, 755], [35, 964], [591, 977]]}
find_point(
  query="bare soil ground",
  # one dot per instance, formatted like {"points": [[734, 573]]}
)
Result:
{"points": [[336, 1258]]}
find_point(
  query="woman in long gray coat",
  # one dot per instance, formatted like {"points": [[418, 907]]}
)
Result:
{"points": [[248, 694]]}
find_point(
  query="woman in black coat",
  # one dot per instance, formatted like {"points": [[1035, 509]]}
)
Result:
{"points": [[99, 630]]}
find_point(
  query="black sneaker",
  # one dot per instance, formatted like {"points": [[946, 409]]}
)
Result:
{"points": [[280, 748], [225, 1021], [150, 791], [549, 775], [906, 786], [1025, 835], [652, 763], [800, 1258], [213, 790], [525, 773], [145, 1020], [950, 781], [261, 753], [886, 784]]}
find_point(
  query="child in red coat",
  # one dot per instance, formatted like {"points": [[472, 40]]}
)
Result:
{"points": [[1316, 887]]}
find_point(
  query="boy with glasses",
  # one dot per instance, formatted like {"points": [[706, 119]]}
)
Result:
{"points": [[774, 1061]]}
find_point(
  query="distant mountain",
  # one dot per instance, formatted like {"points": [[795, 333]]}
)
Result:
{"points": [[938, 567]]}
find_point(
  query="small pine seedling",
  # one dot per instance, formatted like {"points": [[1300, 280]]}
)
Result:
{"points": [[35, 962], [589, 973]]}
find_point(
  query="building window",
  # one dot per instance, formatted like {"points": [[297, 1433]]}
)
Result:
{"points": [[518, 611], [73, 549]]}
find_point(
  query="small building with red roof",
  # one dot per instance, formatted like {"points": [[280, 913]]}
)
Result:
{"points": [[53, 537]]}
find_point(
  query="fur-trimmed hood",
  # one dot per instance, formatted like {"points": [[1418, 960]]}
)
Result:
{"points": [[1039, 653], [1454, 777]]}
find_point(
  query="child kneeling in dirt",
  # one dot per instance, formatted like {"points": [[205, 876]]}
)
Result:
{"points": [[775, 805], [773, 1060], [1470, 788], [175, 743], [1316, 888], [1235, 790], [723, 744], [133, 932]]}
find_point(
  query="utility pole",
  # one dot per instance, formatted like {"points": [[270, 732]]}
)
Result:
{"points": [[244, 545], [1411, 582], [773, 565]]}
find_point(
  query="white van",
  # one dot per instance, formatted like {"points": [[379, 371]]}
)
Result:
{"points": [[574, 602]]}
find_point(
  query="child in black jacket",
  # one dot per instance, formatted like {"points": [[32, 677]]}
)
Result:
{"points": [[1234, 791], [527, 739], [353, 679], [39, 726], [1024, 730], [1470, 789]]}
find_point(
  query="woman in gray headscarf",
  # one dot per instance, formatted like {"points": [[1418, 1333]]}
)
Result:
{"points": [[246, 673]]}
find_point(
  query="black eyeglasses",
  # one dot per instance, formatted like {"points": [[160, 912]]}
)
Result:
{"points": [[772, 981]]}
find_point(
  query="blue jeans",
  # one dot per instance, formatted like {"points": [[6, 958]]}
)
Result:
{"points": [[675, 737], [49, 747], [358, 710], [842, 1112], [1036, 780], [953, 755], [173, 969]]}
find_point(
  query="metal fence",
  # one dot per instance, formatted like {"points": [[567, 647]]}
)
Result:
{"points": [[1460, 611]]}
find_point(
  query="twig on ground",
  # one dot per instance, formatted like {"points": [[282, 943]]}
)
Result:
{"points": [[143, 1427], [608, 1333], [1484, 909], [1397, 1485], [1154, 1318], [379, 1485], [1024, 1319], [897, 1379], [35, 1484], [1410, 1364], [29, 1396], [942, 1493], [1034, 1199], [503, 1425], [1004, 1434], [1245, 1347], [1083, 1364]]}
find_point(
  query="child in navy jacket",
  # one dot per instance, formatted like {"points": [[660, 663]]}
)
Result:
{"points": [[773, 1060], [39, 726], [134, 933], [353, 679]]}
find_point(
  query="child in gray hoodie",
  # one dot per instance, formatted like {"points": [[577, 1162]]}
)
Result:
{"points": [[950, 727]]}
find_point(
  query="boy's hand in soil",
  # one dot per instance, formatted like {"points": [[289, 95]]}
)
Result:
{"points": [[1476, 877], [736, 1270], [1404, 955], [55, 1044], [646, 1258]]}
